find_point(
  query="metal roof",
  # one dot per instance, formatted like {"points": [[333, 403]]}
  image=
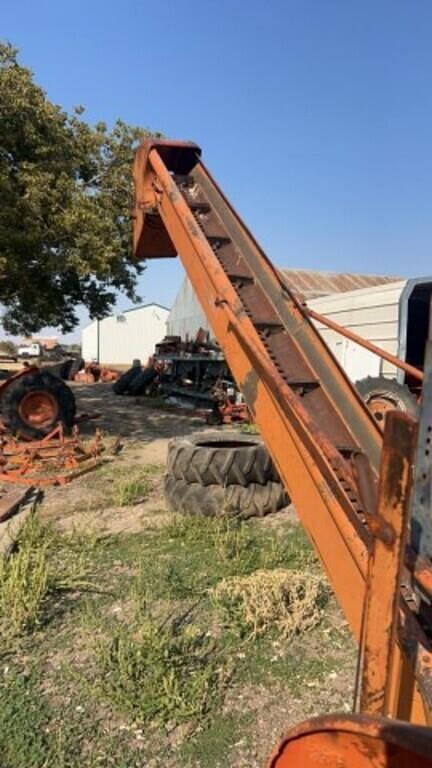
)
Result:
{"points": [[141, 306], [310, 284]]}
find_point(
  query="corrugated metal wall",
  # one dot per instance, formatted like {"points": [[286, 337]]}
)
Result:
{"points": [[186, 316], [372, 313], [125, 336], [89, 343]]}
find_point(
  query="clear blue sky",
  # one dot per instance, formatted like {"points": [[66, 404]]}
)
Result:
{"points": [[314, 115]]}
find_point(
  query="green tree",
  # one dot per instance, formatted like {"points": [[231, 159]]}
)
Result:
{"points": [[8, 348], [65, 191]]}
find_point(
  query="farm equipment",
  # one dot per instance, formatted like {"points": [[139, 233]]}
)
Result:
{"points": [[228, 406], [38, 409], [33, 402], [350, 480]]}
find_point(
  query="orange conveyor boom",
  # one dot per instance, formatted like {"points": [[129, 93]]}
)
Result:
{"points": [[324, 441]]}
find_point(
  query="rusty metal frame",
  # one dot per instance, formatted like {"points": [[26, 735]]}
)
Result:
{"points": [[354, 742], [54, 460], [386, 565], [320, 481]]}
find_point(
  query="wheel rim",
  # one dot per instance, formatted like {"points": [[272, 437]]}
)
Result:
{"points": [[380, 406], [38, 409]]}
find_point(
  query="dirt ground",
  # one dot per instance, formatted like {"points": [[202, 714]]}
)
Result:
{"points": [[144, 431], [133, 418]]}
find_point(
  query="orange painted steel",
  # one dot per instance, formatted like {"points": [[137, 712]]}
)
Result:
{"points": [[386, 563], [396, 361], [54, 460], [38, 409], [354, 742], [324, 441]]}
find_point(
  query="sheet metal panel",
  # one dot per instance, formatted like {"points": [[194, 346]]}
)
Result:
{"points": [[126, 336]]}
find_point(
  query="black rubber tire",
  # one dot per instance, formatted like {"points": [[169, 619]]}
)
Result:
{"points": [[58, 369], [75, 367], [389, 390], [214, 418], [221, 458], [66, 368], [40, 381], [121, 386], [215, 501], [141, 382], [54, 368]]}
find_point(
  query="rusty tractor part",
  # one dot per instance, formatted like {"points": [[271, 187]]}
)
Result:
{"points": [[228, 407], [54, 460], [33, 402], [354, 742], [383, 395], [228, 413], [325, 443], [91, 373]]}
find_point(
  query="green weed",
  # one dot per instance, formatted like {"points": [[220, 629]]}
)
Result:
{"points": [[44, 565], [24, 581], [25, 739], [128, 487], [128, 490], [249, 429], [164, 674], [234, 544], [214, 742]]}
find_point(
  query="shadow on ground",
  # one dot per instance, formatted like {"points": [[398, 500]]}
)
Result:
{"points": [[131, 417]]}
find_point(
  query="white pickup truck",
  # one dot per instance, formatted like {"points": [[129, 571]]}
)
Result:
{"points": [[30, 350]]}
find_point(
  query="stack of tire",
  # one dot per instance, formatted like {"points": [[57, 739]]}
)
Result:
{"points": [[226, 473], [134, 381]]}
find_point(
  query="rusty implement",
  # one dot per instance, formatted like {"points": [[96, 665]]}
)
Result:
{"points": [[354, 742], [55, 460]]}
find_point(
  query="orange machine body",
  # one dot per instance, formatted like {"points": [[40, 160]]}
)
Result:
{"points": [[325, 443]]}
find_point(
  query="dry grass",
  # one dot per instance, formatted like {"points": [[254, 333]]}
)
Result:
{"points": [[290, 601]]}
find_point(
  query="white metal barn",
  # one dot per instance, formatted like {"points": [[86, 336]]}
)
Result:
{"points": [[394, 316], [186, 316], [123, 337], [392, 313]]}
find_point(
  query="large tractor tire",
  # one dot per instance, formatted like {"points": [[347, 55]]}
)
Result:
{"points": [[221, 458], [140, 383], [382, 395], [121, 386], [216, 501], [35, 403]]}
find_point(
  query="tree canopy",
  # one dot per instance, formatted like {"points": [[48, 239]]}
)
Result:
{"points": [[65, 192]]}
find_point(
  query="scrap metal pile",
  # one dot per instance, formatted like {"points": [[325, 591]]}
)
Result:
{"points": [[190, 374], [55, 460], [90, 373]]}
